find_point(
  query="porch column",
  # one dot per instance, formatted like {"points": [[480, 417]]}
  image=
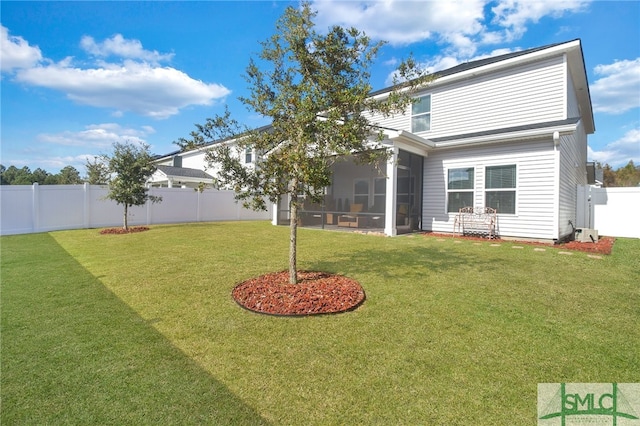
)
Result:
{"points": [[390, 196], [170, 183]]}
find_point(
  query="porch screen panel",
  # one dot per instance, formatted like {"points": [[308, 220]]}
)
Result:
{"points": [[460, 183], [500, 188], [379, 195], [361, 193]]}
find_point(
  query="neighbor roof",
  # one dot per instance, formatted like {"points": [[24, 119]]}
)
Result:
{"points": [[184, 172]]}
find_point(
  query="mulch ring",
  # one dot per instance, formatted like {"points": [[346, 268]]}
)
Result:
{"points": [[316, 293], [131, 230], [604, 245]]}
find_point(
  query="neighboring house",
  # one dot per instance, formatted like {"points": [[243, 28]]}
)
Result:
{"points": [[180, 177], [507, 132]]}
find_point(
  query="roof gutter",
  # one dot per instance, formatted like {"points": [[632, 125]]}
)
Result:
{"points": [[546, 132]]}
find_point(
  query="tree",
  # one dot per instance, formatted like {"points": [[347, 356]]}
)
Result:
{"points": [[132, 166], [15, 176], [69, 175], [628, 175], [315, 88], [40, 175], [97, 172]]}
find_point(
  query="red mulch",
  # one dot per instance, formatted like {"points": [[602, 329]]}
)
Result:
{"points": [[604, 245], [131, 230], [316, 293]]}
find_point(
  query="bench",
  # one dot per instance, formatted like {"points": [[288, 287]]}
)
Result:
{"points": [[471, 221]]}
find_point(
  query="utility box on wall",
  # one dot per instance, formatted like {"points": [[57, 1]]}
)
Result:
{"points": [[585, 235]]}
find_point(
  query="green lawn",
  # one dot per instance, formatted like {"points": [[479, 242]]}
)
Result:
{"points": [[142, 329]]}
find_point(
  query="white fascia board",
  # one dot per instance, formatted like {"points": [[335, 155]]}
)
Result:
{"points": [[546, 132], [410, 141]]}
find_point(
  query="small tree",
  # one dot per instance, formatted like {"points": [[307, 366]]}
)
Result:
{"points": [[97, 172], [315, 88], [131, 166]]}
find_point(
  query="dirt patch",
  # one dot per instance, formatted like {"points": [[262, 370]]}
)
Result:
{"points": [[604, 245], [131, 230], [316, 293]]}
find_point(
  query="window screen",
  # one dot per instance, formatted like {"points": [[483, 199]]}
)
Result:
{"points": [[500, 184], [460, 184]]}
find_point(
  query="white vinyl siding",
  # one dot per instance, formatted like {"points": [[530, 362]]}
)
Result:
{"points": [[535, 198], [573, 108], [573, 172], [531, 93]]}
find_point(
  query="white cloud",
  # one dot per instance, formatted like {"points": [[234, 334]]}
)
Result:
{"points": [[617, 89], [135, 84], [123, 48], [514, 15], [405, 22], [619, 152], [157, 92], [98, 136], [461, 26], [16, 52]]}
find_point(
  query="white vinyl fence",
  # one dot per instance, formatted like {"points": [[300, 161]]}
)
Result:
{"points": [[611, 211], [42, 208]]}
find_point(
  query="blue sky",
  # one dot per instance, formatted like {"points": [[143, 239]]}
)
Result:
{"points": [[79, 76]]}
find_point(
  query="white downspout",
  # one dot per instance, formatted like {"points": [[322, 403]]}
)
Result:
{"points": [[556, 186]]}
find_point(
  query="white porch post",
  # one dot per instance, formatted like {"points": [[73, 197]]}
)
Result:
{"points": [[390, 196], [170, 183]]}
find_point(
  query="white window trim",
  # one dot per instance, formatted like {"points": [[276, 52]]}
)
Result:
{"points": [[514, 189], [430, 114], [472, 190]]}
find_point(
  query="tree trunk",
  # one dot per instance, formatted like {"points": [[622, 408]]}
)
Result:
{"points": [[126, 223], [293, 237]]}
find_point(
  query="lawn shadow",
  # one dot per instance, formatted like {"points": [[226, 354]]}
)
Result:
{"points": [[408, 261], [73, 352]]}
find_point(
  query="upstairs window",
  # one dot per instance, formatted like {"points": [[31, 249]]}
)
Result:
{"points": [[460, 185], [248, 155], [421, 114], [500, 188]]}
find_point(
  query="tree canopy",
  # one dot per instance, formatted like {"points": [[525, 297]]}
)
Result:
{"points": [[315, 89], [24, 176], [131, 166]]}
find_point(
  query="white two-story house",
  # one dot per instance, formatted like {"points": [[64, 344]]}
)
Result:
{"points": [[507, 132]]}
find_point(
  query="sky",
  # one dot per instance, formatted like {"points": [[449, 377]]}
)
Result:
{"points": [[76, 77]]}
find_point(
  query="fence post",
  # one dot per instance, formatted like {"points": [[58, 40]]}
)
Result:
{"points": [[149, 204], [87, 206], [35, 206]]}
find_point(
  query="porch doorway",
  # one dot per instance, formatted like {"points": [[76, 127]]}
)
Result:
{"points": [[409, 192]]}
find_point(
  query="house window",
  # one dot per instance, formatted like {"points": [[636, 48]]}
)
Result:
{"points": [[361, 193], [421, 114], [248, 155], [500, 188], [459, 189]]}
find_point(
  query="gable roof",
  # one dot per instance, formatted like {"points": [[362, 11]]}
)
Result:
{"points": [[576, 65], [184, 172]]}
